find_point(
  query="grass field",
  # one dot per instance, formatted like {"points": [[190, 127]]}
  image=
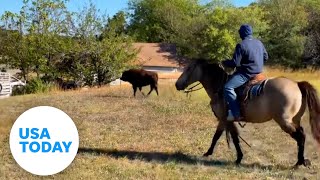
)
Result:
{"points": [[159, 137]]}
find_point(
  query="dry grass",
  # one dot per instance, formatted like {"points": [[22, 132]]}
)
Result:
{"points": [[158, 137]]}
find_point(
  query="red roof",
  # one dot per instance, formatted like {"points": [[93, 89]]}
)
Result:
{"points": [[158, 54]]}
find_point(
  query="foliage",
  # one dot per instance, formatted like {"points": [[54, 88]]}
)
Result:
{"points": [[158, 20], [33, 35], [289, 29], [104, 50], [45, 39], [312, 46], [34, 86], [285, 40], [208, 31], [222, 35]]}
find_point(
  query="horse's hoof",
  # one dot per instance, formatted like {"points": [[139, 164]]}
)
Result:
{"points": [[238, 162], [305, 162], [207, 154]]}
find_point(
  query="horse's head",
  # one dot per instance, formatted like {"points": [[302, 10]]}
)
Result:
{"points": [[192, 73], [210, 75]]}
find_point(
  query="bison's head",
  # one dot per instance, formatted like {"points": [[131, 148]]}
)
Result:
{"points": [[125, 76]]}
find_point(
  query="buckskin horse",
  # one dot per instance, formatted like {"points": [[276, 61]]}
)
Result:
{"points": [[291, 101]]}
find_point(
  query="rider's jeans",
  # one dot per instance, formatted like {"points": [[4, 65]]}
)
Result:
{"points": [[230, 95]]}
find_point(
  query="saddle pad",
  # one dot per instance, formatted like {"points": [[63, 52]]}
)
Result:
{"points": [[256, 90]]}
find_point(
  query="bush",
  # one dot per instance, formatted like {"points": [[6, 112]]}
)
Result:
{"points": [[33, 86]]}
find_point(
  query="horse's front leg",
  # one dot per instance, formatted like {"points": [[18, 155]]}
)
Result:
{"points": [[232, 128], [215, 138]]}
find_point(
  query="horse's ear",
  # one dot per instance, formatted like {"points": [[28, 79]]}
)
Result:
{"points": [[228, 70], [221, 66]]}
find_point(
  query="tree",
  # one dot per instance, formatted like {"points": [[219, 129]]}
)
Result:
{"points": [[312, 46], [158, 20], [221, 36], [285, 40], [37, 28], [199, 30], [52, 42], [103, 50], [116, 26], [14, 51]]}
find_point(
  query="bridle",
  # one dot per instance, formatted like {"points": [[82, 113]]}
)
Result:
{"points": [[223, 79], [189, 90]]}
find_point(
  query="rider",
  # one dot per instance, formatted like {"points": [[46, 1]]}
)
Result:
{"points": [[248, 58]]}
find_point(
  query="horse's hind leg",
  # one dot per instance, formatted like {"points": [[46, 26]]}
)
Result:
{"points": [[215, 138], [298, 135]]}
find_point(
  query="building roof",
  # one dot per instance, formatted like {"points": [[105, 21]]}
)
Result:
{"points": [[158, 54]]}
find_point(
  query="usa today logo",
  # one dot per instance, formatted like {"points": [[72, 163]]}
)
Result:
{"points": [[44, 140]]}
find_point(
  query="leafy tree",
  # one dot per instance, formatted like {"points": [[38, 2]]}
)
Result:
{"points": [[158, 20], [222, 34], [103, 51], [14, 50], [312, 46], [50, 41], [199, 30], [116, 26], [285, 39], [37, 28]]}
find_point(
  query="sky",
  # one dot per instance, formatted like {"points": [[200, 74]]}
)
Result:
{"points": [[110, 7]]}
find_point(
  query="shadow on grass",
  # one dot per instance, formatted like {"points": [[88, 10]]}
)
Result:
{"points": [[130, 96], [114, 96], [178, 157]]}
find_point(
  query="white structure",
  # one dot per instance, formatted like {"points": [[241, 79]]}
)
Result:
{"points": [[7, 82]]}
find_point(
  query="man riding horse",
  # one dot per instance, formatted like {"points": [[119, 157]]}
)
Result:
{"points": [[248, 58], [280, 99]]}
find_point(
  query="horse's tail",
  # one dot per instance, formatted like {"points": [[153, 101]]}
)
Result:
{"points": [[309, 93]]}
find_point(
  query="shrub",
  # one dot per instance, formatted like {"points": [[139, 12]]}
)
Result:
{"points": [[33, 86]]}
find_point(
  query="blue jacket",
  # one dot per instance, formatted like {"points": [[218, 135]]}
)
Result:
{"points": [[249, 55]]}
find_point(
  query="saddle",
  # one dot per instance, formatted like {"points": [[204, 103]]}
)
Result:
{"points": [[253, 88]]}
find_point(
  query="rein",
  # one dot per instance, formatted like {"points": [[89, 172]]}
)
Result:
{"points": [[189, 90]]}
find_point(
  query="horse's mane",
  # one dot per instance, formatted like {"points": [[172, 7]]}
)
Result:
{"points": [[212, 69], [214, 72]]}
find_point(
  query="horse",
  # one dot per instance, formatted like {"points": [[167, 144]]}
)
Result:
{"points": [[139, 78], [292, 98]]}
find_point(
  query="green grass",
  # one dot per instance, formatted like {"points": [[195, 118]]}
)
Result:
{"points": [[159, 137]]}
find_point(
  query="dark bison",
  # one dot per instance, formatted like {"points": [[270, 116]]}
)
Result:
{"points": [[139, 78], [66, 85]]}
